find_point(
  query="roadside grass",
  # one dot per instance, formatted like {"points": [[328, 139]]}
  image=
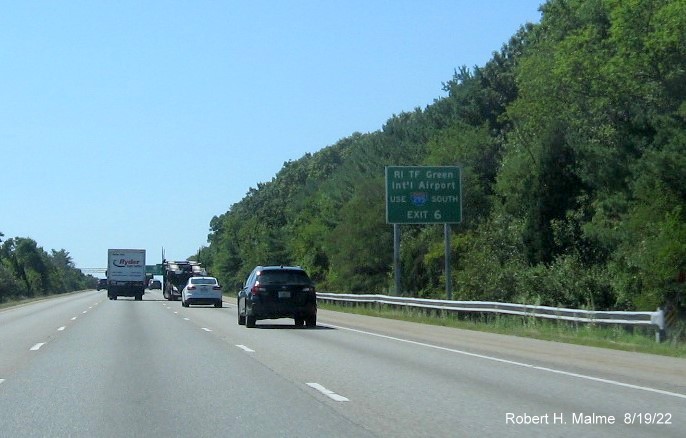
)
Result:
{"points": [[21, 301], [14, 302], [636, 339]]}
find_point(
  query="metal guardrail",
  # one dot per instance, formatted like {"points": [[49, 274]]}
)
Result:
{"points": [[654, 319]]}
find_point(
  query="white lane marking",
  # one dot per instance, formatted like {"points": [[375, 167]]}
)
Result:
{"points": [[206, 329], [37, 346], [176, 313], [74, 318], [520, 364], [85, 311], [2, 380], [61, 328], [186, 319], [244, 348], [332, 395]]}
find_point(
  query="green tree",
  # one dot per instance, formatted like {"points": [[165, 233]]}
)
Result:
{"points": [[360, 248], [571, 139]]}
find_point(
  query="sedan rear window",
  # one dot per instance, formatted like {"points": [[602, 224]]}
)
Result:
{"points": [[203, 281]]}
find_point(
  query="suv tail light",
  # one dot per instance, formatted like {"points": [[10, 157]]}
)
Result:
{"points": [[255, 290], [216, 288], [191, 288]]}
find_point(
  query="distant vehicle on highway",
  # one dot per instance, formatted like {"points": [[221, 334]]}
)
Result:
{"points": [[278, 292], [125, 273], [102, 283], [202, 290], [176, 275], [155, 284]]}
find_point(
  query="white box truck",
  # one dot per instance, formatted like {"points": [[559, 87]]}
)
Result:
{"points": [[125, 273]]}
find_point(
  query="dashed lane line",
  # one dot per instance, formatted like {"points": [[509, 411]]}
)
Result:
{"points": [[37, 346], [327, 392]]}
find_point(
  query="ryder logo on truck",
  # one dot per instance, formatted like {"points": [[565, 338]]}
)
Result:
{"points": [[123, 263]]}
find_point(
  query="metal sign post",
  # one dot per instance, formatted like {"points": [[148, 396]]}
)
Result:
{"points": [[448, 276], [396, 257]]}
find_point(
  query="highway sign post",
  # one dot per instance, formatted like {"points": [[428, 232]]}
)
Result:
{"points": [[423, 195]]}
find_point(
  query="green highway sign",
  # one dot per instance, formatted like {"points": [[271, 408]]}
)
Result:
{"points": [[154, 269], [423, 194]]}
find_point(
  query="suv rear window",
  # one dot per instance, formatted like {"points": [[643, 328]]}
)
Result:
{"points": [[283, 277]]}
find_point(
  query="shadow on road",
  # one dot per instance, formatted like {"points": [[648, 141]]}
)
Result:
{"points": [[290, 327], [144, 299]]}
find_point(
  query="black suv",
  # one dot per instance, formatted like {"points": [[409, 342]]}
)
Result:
{"points": [[102, 283], [278, 292]]}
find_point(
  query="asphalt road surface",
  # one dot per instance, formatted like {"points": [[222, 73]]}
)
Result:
{"points": [[80, 365]]}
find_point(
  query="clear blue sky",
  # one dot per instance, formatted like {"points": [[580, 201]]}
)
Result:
{"points": [[130, 124]]}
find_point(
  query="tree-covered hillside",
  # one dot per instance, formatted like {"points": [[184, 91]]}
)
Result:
{"points": [[572, 140], [27, 271]]}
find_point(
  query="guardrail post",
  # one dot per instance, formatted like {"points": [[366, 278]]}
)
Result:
{"points": [[658, 319]]}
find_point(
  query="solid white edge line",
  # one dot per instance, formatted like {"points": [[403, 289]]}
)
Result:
{"points": [[37, 346], [327, 392], [244, 348], [520, 364]]}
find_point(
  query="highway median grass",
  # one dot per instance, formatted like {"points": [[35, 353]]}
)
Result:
{"points": [[20, 301], [634, 339]]}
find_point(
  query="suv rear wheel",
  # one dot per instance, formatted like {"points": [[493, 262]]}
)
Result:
{"points": [[250, 321], [311, 321]]}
